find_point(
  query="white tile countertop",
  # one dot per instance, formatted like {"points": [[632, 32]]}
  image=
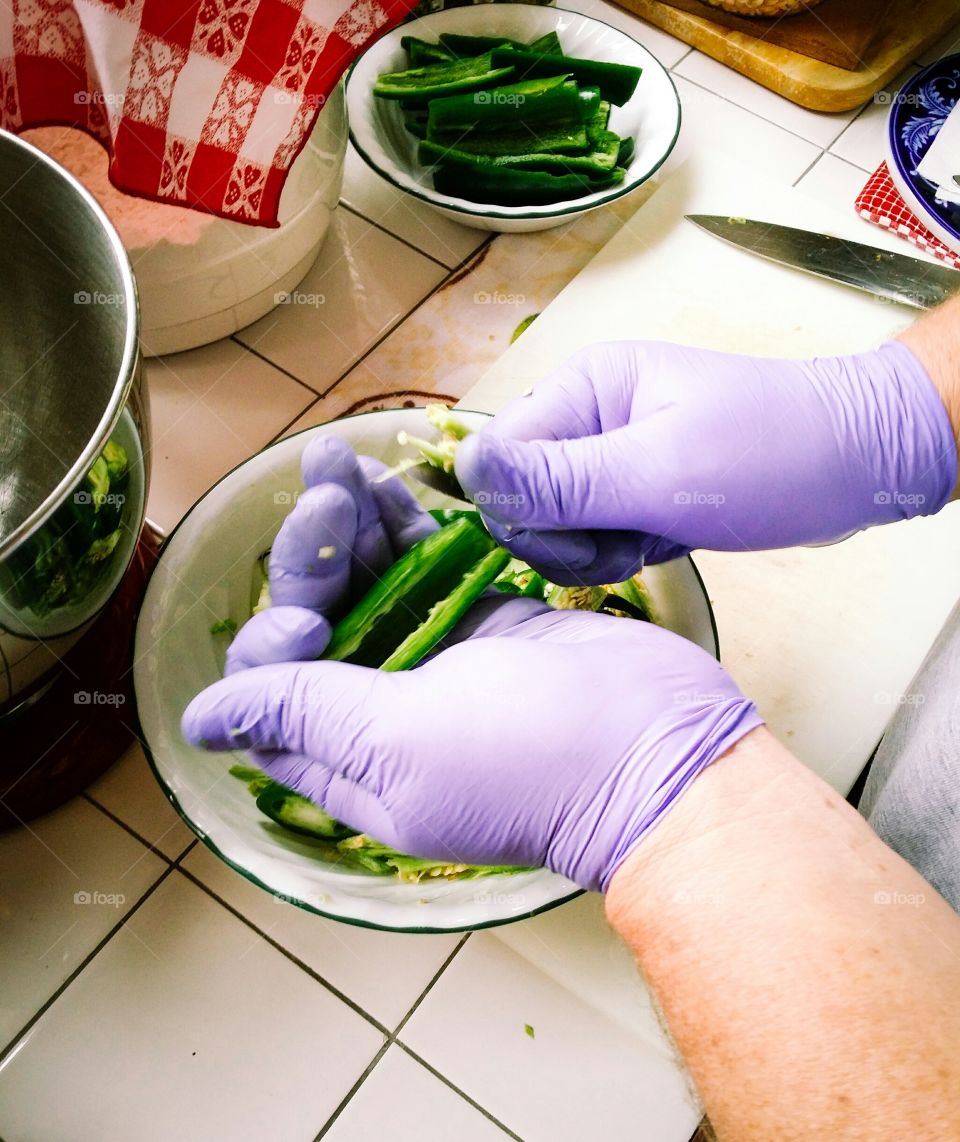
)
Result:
{"points": [[147, 992]]}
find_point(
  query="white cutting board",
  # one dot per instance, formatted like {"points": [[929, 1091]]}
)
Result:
{"points": [[824, 639]]}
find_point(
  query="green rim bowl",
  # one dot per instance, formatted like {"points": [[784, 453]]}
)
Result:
{"points": [[205, 573], [651, 116]]}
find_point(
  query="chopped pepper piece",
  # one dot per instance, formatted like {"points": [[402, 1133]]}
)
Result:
{"points": [[421, 53], [599, 163], [420, 84], [617, 81], [400, 601], [530, 103], [548, 44], [467, 46], [504, 186]]}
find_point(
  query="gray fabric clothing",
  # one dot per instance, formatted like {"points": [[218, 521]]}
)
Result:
{"points": [[912, 794]]}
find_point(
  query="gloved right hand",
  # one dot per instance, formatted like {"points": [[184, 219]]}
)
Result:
{"points": [[639, 451]]}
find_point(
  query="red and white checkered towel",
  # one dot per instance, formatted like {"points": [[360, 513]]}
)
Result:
{"points": [[881, 203], [202, 103]]}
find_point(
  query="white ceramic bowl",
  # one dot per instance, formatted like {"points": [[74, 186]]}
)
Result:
{"points": [[195, 294], [205, 573], [651, 116], [200, 277]]}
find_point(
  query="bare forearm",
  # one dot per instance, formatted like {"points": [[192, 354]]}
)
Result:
{"points": [[810, 978], [935, 339]]}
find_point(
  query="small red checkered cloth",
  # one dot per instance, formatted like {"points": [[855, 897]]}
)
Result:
{"points": [[880, 202], [202, 103]]}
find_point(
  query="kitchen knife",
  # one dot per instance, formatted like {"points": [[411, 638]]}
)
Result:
{"points": [[896, 277], [446, 483]]}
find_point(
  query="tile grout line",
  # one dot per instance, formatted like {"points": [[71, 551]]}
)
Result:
{"points": [[348, 1097], [294, 959], [453, 1086], [677, 63], [390, 1037], [186, 852], [286, 428], [45, 1006], [856, 119], [392, 1040], [803, 174], [133, 832], [406, 317], [266, 360], [827, 153], [426, 991], [846, 162], [773, 122], [379, 341], [390, 233], [383, 337]]}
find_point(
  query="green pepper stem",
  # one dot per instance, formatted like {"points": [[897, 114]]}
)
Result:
{"points": [[443, 420], [439, 453]]}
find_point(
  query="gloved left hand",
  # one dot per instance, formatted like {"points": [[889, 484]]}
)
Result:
{"points": [[343, 532]]}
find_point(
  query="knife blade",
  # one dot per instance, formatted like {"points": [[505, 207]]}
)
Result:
{"points": [[446, 483], [896, 277]]}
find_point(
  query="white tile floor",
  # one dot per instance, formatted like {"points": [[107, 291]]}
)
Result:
{"points": [[148, 992]]}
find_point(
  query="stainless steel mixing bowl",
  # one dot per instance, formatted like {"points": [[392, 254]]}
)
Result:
{"points": [[73, 416]]}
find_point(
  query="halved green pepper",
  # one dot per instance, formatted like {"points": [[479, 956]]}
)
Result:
{"points": [[548, 44], [299, 814], [421, 53], [617, 81], [598, 163], [531, 101], [596, 122], [445, 614], [420, 84], [542, 140], [401, 600], [504, 186], [468, 46], [542, 115]]}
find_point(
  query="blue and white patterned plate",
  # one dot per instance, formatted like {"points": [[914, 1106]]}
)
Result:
{"points": [[917, 113]]}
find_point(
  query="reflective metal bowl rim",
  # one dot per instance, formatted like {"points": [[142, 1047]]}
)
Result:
{"points": [[128, 362]]}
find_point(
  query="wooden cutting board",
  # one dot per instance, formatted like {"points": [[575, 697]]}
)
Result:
{"points": [[902, 31], [838, 32]]}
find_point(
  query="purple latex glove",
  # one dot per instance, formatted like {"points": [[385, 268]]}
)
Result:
{"points": [[559, 741], [543, 737], [641, 451]]}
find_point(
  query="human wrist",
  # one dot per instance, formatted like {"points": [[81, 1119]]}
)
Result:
{"points": [[934, 341], [653, 776], [731, 794], [674, 825], [904, 437]]}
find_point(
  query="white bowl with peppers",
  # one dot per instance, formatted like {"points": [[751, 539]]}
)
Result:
{"points": [[512, 117], [209, 580]]}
